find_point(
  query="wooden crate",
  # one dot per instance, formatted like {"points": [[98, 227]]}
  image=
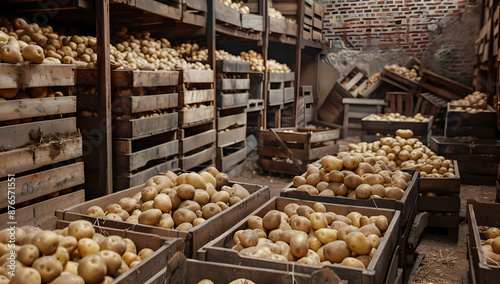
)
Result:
{"points": [[399, 80], [307, 30], [252, 22], [170, 9], [196, 145], [225, 273], [203, 81], [164, 249], [478, 124], [36, 75], [29, 108], [227, 15], [405, 205], [318, 16], [256, 85], [219, 250], [284, 27], [317, 35], [356, 109], [400, 102], [428, 104], [231, 156], [193, 239], [194, 12], [350, 84], [130, 179], [275, 96], [421, 130], [233, 83], [306, 145], [479, 215], [442, 87], [143, 127], [237, 125], [39, 214], [446, 201]]}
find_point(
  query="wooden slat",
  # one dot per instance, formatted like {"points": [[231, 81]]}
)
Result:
{"points": [[38, 213], [16, 109], [197, 76], [225, 101], [439, 204], [132, 79], [227, 14], [228, 162], [252, 22], [196, 141], [231, 136], [233, 66], [195, 116], [122, 181], [15, 136], [233, 84], [159, 8], [196, 96], [31, 186], [142, 127], [135, 104], [36, 75], [129, 162], [197, 159], [227, 121]]}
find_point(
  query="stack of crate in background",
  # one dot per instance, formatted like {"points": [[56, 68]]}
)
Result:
{"points": [[197, 134], [317, 26], [233, 86], [308, 19], [144, 108], [287, 114], [40, 158], [281, 94], [255, 107]]}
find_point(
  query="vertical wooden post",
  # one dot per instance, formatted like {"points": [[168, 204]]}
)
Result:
{"points": [[298, 55], [264, 5], [104, 107], [211, 45]]}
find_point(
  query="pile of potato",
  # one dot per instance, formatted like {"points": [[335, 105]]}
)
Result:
{"points": [[312, 236], [475, 102], [491, 246], [371, 81], [20, 41], [273, 13], [408, 73], [76, 254], [398, 117], [257, 63], [354, 176], [237, 6], [237, 281], [224, 55], [405, 152], [176, 201]]}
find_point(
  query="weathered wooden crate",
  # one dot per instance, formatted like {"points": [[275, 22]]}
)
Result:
{"points": [[36, 75], [252, 22], [481, 124], [129, 155], [232, 66], [130, 179], [130, 79], [306, 145], [30, 157], [307, 32], [29, 108], [236, 125], [225, 273], [318, 16], [317, 36], [136, 104], [203, 81], [477, 158], [480, 215], [167, 8], [193, 239], [282, 26], [227, 14], [196, 145], [219, 250], [400, 102], [421, 130], [399, 80], [355, 110], [164, 249], [428, 104], [230, 156], [143, 127], [39, 214], [442, 87], [353, 82], [447, 200], [232, 89], [256, 85], [30, 187], [405, 205], [194, 12]]}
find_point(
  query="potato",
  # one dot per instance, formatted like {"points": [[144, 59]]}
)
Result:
{"points": [[113, 208], [113, 261], [331, 163], [301, 223], [183, 216], [382, 223], [159, 182], [364, 259], [299, 245], [70, 243], [92, 268], [298, 181], [150, 217], [26, 275], [88, 246], [9, 93], [10, 54], [308, 188], [326, 235], [147, 205], [248, 238], [162, 202], [337, 188], [404, 133], [196, 180], [149, 193], [304, 210], [352, 181], [357, 242], [48, 267], [370, 229], [291, 209], [46, 242], [33, 53], [220, 196], [271, 220], [355, 218], [353, 262], [186, 191], [222, 179], [318, 221], [61, 255], [114, 243], [71, 267], [394, 193], [68, 278], [492, 233], [350, 162], [202, 197], [95, 211], [210, 210], [209, 178], [336, 251], [28, 254], [128, 204], [363, 191], [343, 231]]}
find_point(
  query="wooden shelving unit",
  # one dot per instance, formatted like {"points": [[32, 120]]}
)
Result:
{"points": [[202, 21]]}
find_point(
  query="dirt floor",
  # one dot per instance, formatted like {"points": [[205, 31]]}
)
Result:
{"points": [[444, 257]]}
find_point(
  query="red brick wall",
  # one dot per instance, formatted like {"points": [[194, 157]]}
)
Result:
{"points": [[407, 24]]}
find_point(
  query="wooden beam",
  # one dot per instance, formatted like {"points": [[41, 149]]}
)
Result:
{"points": [[298, 58], [211, 44], [263, 10], [104, 109]]}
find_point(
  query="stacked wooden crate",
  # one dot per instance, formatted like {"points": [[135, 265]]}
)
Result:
{"points": [[308, 19], [294, 148], [484, 47], [287, 113], [194, 12], [230, 18], [145, 120], [284, 30], [41, 148], [233, 86], [317, 26], [255, 107], [355, 110], [477, 158], [479, 124], [307, 94], [197, 134], [281, 96]]}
